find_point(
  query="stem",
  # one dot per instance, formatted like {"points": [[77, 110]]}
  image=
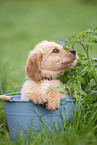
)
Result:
{"points": [[90, 64], [88, 57], [86, 48], [86, 51]]}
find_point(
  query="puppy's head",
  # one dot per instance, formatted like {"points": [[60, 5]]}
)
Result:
{"points": [[49, 59]]}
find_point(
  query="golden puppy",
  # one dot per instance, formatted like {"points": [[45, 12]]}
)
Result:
{"points": [[45, 63]]}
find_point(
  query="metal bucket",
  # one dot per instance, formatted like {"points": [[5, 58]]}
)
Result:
{"points": [[20, 113]]}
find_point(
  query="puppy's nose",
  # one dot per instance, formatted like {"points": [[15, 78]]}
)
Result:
{"points": [[73, 51]]}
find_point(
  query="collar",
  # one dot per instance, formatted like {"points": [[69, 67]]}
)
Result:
{"points": [[46, 78]]}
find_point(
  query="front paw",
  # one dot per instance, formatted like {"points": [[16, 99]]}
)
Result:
{"points": [[53, 100], [53, 104], [39, 99]]}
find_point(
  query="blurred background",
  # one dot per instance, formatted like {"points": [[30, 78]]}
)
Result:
{"points": [[24, 23]]}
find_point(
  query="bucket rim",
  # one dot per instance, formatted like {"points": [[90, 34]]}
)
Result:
{"points": [[16, 99]]}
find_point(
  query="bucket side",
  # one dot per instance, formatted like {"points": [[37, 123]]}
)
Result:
{"points": [[20, 114]]}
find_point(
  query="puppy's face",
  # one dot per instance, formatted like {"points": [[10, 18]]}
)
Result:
{"points": [[57, 59], [51, 59]]}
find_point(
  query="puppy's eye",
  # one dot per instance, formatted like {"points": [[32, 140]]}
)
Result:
{"points": [[55, 51]]}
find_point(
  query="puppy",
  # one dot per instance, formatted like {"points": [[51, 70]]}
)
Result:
{"points": [[45, 63]]}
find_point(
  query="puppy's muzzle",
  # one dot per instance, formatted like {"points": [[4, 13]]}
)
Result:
{"points": [[73, 51]]}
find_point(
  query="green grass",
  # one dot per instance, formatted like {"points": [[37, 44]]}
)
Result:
{"points": [[22, 25], [79, 132]]}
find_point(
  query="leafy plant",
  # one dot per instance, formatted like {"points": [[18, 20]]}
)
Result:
{"points": [[81, 80]]}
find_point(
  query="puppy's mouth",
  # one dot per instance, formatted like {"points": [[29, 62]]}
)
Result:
{"points": [[74, 58], [70, 61]]}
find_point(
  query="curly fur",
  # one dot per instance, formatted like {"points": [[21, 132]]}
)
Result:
{"points": [[44, 62]]}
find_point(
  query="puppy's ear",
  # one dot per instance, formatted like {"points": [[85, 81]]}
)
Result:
{"points": [[32, 69]]}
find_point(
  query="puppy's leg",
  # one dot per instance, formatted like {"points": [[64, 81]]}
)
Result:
{"points": [[37, 98], [53, 100]]}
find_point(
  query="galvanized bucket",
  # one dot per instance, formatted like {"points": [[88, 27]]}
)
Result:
{"points": [[20, 113]]}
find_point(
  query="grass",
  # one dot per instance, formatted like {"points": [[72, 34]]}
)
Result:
{"points": [[22, 25], [79, 132]]}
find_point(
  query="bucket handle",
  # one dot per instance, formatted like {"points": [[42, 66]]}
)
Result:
{"points": [[5, 97]]}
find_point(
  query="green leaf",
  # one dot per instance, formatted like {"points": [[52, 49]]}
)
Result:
{"points": [[66, 48], [82, 92], [93, 41], [95, 75], [81, 79], [60, 89], [90, 73], [94, 37], [92, 97], [80, 55]]}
